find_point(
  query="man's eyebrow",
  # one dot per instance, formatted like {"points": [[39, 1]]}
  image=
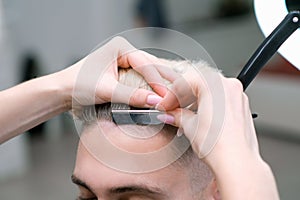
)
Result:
{"points": [[77, 181], [142, 189]]}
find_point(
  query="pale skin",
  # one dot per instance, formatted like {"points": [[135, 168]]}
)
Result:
{"points": [[103, 182], [235, 158]]}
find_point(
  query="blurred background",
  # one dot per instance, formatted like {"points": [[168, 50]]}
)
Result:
{"points": [[40, 37]]}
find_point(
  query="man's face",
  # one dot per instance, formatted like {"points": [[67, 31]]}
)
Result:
{"points": [[97, 181]]}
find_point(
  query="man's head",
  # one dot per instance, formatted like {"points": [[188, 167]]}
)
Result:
{"points": [[188, 178]]}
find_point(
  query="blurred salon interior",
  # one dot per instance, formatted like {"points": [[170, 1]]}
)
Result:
{"points": [[41, 37]]}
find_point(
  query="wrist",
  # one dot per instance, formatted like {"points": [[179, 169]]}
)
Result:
{"points": [[63, 87], [251, 177], [234, 161], [235, 165]]}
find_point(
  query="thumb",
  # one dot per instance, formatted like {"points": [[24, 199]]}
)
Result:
{"points": [[188, 122], [195, 126]]}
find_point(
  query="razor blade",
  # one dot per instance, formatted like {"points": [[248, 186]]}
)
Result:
{"points": [[138, 117]]}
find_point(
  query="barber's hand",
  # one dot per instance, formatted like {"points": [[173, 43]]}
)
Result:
{"points": [[94, 79], [228, 145], [235, 135]]}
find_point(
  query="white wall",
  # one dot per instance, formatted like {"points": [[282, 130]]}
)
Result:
{"points": [[61, 31], [183, 11], [276, 100], [13, 154]]}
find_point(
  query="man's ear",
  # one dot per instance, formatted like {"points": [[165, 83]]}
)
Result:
{"points": [[212, 191], [215, 190]]}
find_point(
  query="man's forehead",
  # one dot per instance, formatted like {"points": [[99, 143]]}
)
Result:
{"points": [[103, 178], [132, 138]]}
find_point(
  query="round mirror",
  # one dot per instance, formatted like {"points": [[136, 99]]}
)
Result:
{"points": [[269, 14]]}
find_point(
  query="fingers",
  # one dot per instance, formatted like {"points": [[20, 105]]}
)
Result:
{"points": [[188, 122], [167, 72], [169, 102], [148, 69], [164, 67], [104, 63], [119, 52], [136, 97], [129, 56], [177, 117], [180, 95], [144, 99]]}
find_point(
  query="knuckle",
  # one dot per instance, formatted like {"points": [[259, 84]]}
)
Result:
{"points": [[176, 87], [177, 113], [134, 99], [235, 85], [246, 99], [119, 39], [137, 98], [180, 92]]}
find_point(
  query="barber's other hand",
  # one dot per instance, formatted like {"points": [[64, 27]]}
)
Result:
{"points": [[228, 145], [233, 136], [94, 79]]}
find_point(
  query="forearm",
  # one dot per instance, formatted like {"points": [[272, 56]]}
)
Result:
{"points": [[247, 179], [31, 103]]}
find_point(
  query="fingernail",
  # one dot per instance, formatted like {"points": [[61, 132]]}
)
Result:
{"points": [[166, 118], [179, 132], [153, 99]]}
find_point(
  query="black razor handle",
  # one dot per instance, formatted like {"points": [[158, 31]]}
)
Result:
{"points": [[269, 47]]}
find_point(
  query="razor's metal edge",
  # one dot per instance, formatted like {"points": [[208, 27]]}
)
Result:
{"points": [[139, 117]]}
